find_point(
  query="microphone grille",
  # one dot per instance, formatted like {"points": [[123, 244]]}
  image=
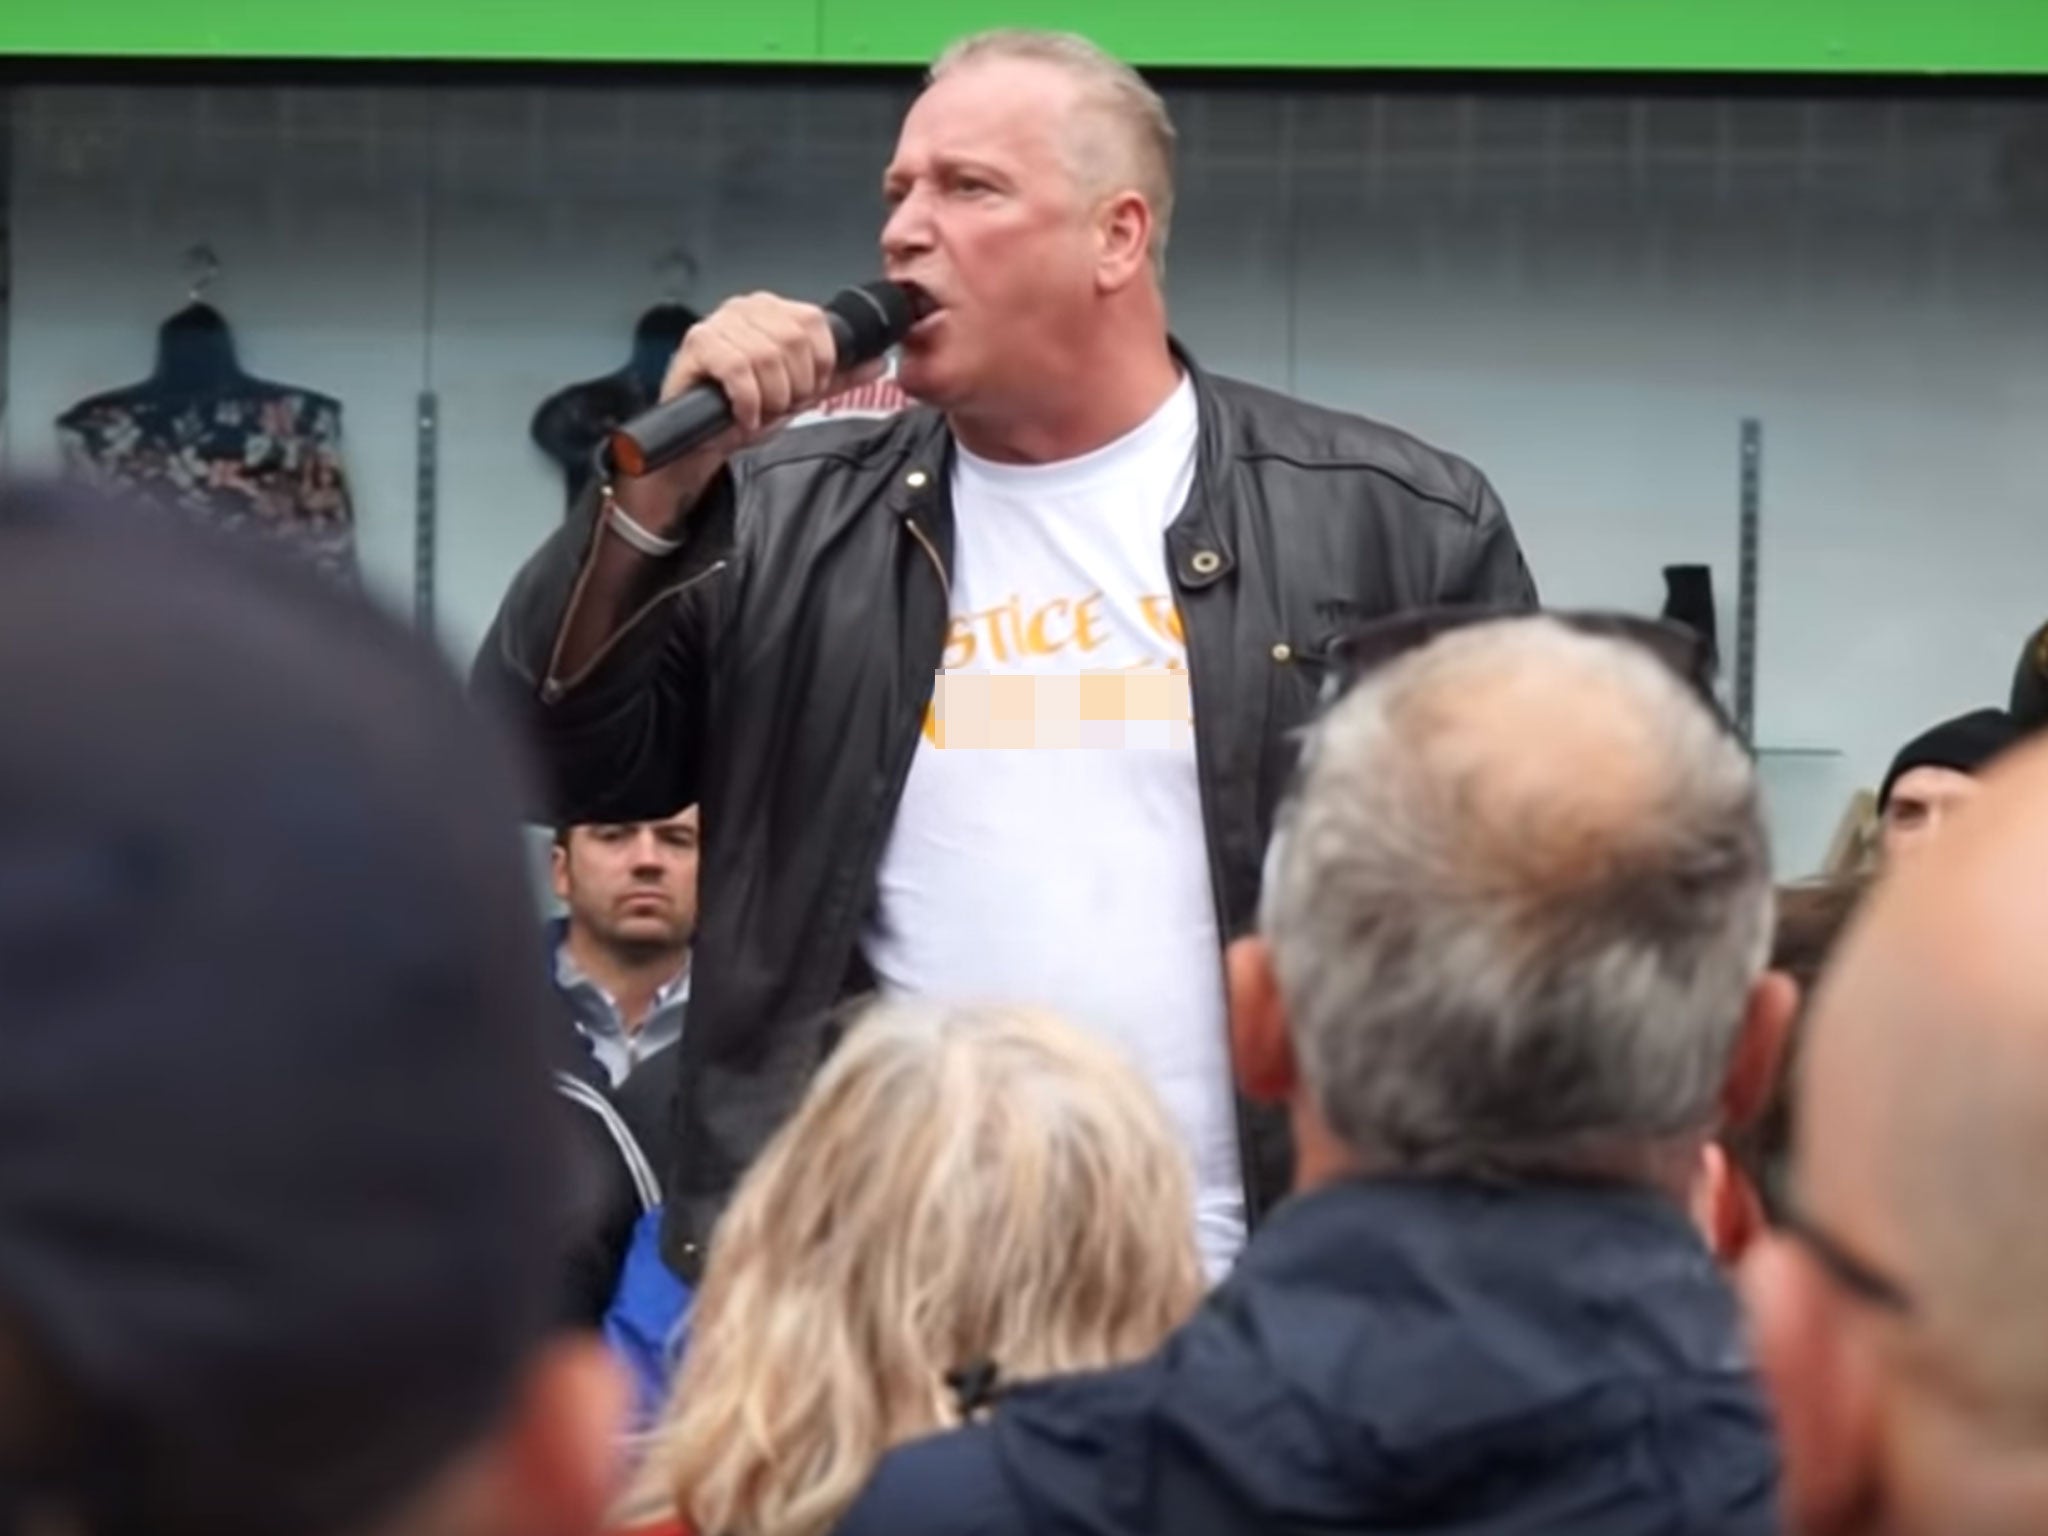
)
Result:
{"points": [[877, 316]]}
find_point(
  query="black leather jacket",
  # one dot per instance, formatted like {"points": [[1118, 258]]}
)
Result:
{"points": [[777, 670]]}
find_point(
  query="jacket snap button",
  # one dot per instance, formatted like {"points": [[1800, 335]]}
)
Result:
{"points": [[1283, 652], [1206, 562], [916, 479]]}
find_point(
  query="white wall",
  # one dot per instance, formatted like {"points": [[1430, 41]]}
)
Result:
{"points": [[1584, 295]]}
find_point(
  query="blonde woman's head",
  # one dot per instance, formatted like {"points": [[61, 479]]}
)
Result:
{"points": [[960, 1187]]}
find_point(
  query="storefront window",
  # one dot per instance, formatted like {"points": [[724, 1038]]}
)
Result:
{"points": [[1587, 292]]}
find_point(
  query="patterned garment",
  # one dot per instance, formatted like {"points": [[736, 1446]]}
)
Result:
{"points": [[264, 458]]}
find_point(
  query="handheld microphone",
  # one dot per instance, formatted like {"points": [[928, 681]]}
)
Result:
{"points": [[866, 322]]}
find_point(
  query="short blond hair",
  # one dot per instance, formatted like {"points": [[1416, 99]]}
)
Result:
{"points": [[1113, 92], [960, 1187]]}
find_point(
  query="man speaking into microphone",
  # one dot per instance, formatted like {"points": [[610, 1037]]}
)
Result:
{"points": [[992, 699]]}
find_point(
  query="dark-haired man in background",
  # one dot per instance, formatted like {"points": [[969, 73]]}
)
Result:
{"points": [[622, 948], [1935, 776]]}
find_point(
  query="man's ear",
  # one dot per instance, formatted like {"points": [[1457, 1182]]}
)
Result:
{"points": [[1261, 1050], [1760, 1049], [552, 1468], [1725, 1205], [558, 870], [1823, 1387], [1123, 226]]}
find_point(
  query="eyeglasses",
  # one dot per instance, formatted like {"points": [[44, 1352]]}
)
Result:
{"points": [[1856, 1275], [1358, 653]]}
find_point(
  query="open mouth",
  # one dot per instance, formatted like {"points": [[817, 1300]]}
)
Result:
{"points": [[924, 307]]}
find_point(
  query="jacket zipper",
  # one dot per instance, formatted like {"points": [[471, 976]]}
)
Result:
{"points": [[554, 686], [925, 543]]}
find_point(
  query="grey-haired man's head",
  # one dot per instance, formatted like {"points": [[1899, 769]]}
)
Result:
{"points": [[1515, 919]]}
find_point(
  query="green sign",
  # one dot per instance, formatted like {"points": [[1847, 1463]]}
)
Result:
{"points": [[1975, 37]]}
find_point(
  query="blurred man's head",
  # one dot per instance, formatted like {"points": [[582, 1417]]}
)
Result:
{"points": [[281, 1173], [2029, 704], [1935, 776], [1902, 1320], [1029, 196], [1515, 921], [631, 886]]}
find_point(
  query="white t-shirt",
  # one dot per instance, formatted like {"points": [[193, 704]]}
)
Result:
{"points": [[1049, 848]]}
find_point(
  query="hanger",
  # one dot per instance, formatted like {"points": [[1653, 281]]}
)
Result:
{"points": [[675, 271], [659, 331], [195, 350]]}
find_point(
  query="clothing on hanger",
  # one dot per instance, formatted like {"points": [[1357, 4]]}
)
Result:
{"points": [[573, 422], [236, 452], [1689, 600]]}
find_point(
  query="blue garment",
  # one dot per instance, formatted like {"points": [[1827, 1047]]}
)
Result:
{"points": [[647, 1324], [1393, 1356]]}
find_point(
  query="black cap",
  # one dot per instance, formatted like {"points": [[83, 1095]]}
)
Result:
{"points": [[280, 1167], [1967, 744]]}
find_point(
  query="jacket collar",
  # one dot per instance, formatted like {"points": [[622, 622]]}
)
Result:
{"points": [[1365, 1236], [1198, 540], [594, 1009], [917, 480]]}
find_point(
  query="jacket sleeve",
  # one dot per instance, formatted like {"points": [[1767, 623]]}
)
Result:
{"points": [[622, 740], [1489, 571]]}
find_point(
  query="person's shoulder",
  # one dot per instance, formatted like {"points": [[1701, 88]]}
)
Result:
{"points": [[950, 1484], [821, 443], [90, 412], [1266, 425]]}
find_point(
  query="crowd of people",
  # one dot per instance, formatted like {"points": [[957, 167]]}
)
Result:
{"points": [[1384, 1085]]}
